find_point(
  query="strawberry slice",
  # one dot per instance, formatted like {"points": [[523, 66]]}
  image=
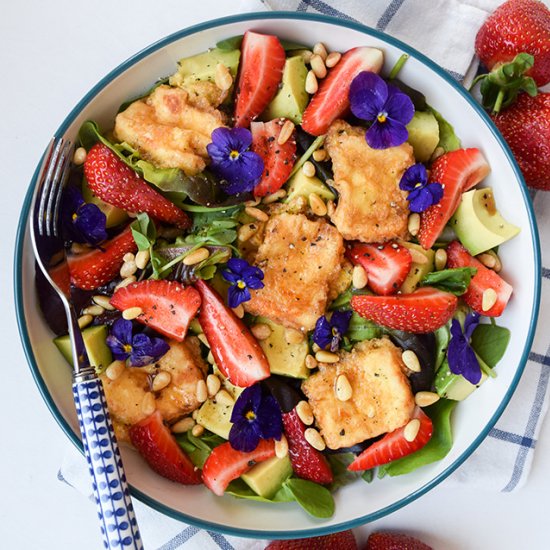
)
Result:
{"points": [[117, 184], [484, 279], [387, 264], [160, 449], [394, 445], [394, 541], [344, 540], [168, 306], [278, 159], [236, 352], [61, 276], [307, 462], [457, 171], [224, 464], [421, 311], [331, 99], [96, 268], [261, 69]]}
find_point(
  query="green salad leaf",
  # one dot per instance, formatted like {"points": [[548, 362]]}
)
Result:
{"points": [[339, 465], [199, 448], [315, 499], [448, 140], [368, 475], [442, 338], [490, 341], [239, 489], [455, 281], [144, 231]]}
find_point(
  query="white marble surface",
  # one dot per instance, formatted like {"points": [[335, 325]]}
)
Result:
{"points": [[49, 60]]}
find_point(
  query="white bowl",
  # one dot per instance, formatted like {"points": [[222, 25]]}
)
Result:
{"points": [[357, 503]]}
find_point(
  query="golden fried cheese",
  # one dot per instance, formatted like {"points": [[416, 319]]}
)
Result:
{"points": [[381, 400], [169, 129], [300, 259], [371, 207]]}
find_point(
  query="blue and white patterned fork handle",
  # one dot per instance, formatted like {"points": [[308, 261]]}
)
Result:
{"points": [[112, 496]]}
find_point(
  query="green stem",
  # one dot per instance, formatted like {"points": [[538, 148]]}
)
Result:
{"points": [[313, 147], [199, 208], [485, 367], [398, 66], [499, 100], [475, 81]]}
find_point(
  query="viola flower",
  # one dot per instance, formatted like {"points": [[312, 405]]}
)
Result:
{"points": [[422, 194], [461, 356], [139, 349], [256, 415], [242, 277], [233, 162], [83, 222], [330, 332], [389, 110]]}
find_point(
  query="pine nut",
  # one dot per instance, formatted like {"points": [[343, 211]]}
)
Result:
{"points": [[489, 299], [213, 384], [426, 398], [359, 277], [318, 66], [183, 425], [320, 50], [222, 77], [253, 202], [286, 132], [308, 169], [313, 437], [195, 414], [126, 282], [131, 313], [210, 358], [148, 404], [128, 257], [298, 204], [85, 320], [103, 301], [331, 207], [306, 56], [128, 269], [161, 380], [238, 311], [414, 224], [197, 430], [246, 232], [417, 256], [311, 83], [79, 156], [317, 204], [343, 388], [223, 397], [332, 59], [115, 369], [142, 259], [440, 259], [281, 447], [256, 213], [93, 310], [498, 263], [196, 257], [487, 260], [411, 360], [274, 197], [202, 338], [311, 362], [319, 155], [304, 412], [323, 356], [261, 331], [411, 430], [201, 391], [293, 336]]}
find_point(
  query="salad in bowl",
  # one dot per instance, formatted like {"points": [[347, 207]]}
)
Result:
{"points": [[287, 269]]}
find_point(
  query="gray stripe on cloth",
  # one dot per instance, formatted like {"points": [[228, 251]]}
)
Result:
{"points": [[513, 438], [546, 272], [222, 542], [388, 14], [180, 538], [324, 8]]}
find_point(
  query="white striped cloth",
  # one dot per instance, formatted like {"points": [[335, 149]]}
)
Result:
{"points": [[503, 460]]}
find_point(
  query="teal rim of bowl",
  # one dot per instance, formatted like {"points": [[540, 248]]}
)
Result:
{"points": [[319, 530]]}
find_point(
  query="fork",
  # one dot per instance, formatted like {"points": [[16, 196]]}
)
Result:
{"points": [[112, 496]]}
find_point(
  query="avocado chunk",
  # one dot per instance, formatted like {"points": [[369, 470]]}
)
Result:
{"points": [[202, 67], [216, 417], [284, 358], [454, 386], [266, 478], [418, 270], [301, 185], [423, 135], [478, 224], [99, 354], [114, 216], [292, 98]]}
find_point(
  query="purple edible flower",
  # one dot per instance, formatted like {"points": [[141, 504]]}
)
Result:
{"points": [[84, 223], [461, 356], [330, 333], [389, 110], [242, 277], [422, 194], [256, 415], [240, 168], [139, 349]]}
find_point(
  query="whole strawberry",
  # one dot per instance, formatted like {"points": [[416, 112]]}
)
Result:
{"points": [[337, 541], [394, 541], [526, 127], [514, 27]]}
